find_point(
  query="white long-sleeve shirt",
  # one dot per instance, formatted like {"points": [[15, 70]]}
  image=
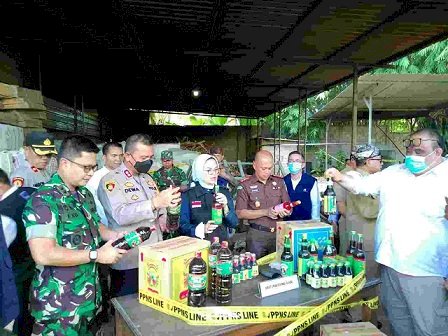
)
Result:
{"points": [[92, 185], [411, 234]]}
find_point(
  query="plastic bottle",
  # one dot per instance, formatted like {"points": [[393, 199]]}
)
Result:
{"points": [[224, 275], [351, 248], [248, 257], [316, 280], [197, 281], [216, 208], [332, 276], [243, 269], [314, 249], [348, 275], [255, 271], [329, 252], [340, 274], [325, 281], [236, 270], [134, 238], [212, 261], [309, 274]]}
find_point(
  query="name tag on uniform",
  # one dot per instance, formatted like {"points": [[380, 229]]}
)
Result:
{"points": [[196, 204]]}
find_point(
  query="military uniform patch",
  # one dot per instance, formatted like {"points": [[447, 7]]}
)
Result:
{"points": [[127, 173]]}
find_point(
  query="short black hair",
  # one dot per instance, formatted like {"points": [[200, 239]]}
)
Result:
{"points": [[107, 146], [133, 140], [4, 179], [433, 134], [296, 152], [73, 145], [216, 150]]}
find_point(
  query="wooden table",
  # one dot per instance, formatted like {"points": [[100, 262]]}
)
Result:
{"points": [[133, 318]]}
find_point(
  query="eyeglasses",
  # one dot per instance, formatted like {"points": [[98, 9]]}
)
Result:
{"points": [[415, 142], [298, 161], [87, 169], [212, 171], [380, 159]]}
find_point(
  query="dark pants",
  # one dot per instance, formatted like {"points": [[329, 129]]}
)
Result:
{"points": [[103, 274], [123, 282], [261, 243], [23, 273]]}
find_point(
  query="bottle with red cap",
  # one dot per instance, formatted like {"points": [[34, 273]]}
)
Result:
{"points": [[197, 281], [286, 206]]}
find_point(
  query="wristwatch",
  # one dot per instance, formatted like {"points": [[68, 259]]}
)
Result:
{"points": [[93, 254]]}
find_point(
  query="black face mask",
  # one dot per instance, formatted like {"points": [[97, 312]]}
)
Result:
{"points": [[143, 166]]}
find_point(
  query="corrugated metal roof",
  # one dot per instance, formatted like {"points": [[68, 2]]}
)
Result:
{"points": [[393, 96], [247, 56]]}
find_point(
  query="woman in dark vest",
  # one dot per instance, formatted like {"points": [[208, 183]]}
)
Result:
{"points": [[303, 187], [197, 202]]}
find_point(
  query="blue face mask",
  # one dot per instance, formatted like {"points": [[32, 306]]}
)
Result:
{"points": [[416, 164], [294, 167]]}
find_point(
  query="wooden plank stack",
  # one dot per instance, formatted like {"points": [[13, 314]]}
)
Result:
{"points": [[21, 107]]}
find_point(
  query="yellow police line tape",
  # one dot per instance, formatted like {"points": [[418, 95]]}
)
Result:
{"points": [[303, 316]]}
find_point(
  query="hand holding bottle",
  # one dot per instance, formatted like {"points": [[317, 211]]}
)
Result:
{"points": [[202, 229], [167, 198], [221, 198], [271, 213], [107, 254], [334, 174]]}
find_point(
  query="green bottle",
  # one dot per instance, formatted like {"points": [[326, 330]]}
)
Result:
{"points": [[216, 208], [303, 257], [287, 259], [359, 257]]}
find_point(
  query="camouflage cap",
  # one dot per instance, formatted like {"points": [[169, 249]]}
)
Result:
{"points": [[166, 155], [41, 142], [366, 151]]}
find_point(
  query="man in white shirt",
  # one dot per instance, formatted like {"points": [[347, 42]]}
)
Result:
{"points": [[112, 157], [411, 237]]}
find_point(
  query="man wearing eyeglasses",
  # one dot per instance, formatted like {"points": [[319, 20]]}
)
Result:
{"points": [[38, 148], [411, 236], [64, 234]]}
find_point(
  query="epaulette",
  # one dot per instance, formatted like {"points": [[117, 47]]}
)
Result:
{"points": [[277, 176], [245, 179]]}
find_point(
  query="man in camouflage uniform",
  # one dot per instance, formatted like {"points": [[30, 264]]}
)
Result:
{"points": [[64, 232], [38, 147], [169, 175], [130, 199]]}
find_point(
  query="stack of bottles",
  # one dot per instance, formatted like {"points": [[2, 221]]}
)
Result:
{"points": [[225, 271], [327, 269]]}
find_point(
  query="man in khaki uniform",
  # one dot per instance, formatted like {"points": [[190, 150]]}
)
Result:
{"points": [[359, 211], [257, 197], [130, 199]]}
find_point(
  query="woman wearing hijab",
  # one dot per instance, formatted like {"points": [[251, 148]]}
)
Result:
{"points": [[197, 202]]}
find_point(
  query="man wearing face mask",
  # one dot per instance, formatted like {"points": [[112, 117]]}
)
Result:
{"points": [[131, 199], [411, 236], [302, 187]]}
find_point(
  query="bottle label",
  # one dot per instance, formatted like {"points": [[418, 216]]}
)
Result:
{"points": [[287, 268], [308, 279], [212, 260], [197, 282], [340, 281], [249, 273], [255, 271], [242, 275], [316, 282], [358, 266], [333, 282], [217, 215], [324, 283], [224, 268], [236, 278], [347, 279], [302, 267], [329, 204], [132, 239]]}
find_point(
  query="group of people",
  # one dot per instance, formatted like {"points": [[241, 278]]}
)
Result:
{"points": [[56, 239]]}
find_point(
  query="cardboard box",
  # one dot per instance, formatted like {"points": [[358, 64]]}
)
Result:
{"points": [[313, 229], [352, 329], [163, 266]]}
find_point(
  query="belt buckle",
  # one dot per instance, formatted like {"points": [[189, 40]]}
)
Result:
{"points": [[272, 229]]}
